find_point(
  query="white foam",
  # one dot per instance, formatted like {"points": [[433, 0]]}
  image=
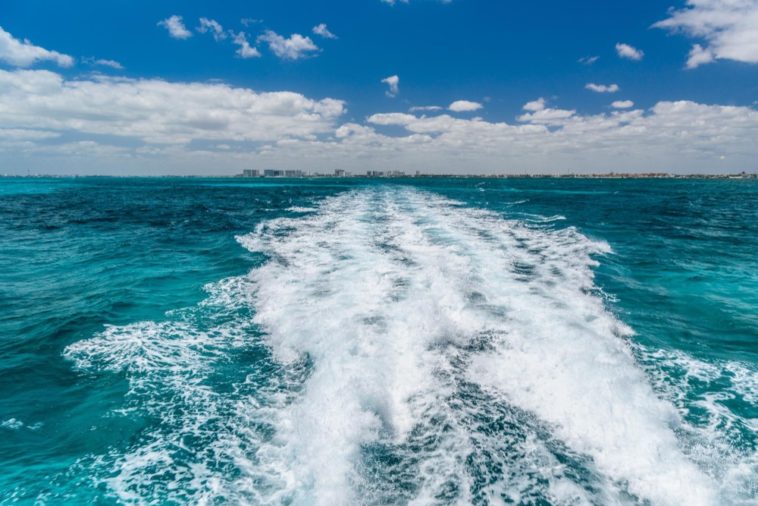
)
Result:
{"points": [[715, 436], [560, 354], [401, 319], [12, 424]]}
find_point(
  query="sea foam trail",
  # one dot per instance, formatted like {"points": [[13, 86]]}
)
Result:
{"points": [[374, 289], [410, 350]]}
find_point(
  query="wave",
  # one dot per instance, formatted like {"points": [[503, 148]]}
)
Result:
{"points": [[399, 347]]}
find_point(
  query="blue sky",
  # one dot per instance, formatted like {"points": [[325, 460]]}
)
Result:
{"points": [[695, 72]]}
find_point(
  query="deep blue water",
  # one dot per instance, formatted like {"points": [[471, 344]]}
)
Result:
{"points": [[443, 341]]}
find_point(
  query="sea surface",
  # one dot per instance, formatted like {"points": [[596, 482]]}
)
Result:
{"points": [[371, 342]]}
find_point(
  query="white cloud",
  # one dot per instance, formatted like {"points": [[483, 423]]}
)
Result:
{"points": [[212, 26], [425, 108], [699, 56], [629, 52], [535, 105], [109, 63], [588, 60], [622, 104], [23, 53], [157, 111], [682, 135], [103, 63], [602, 88], [672, 136], [293, 48], [393, 83], [156, 126], [175, 27], [245, 49], [392, 118], [322, 30], [464, 106], [547, 116], [729, 27]]}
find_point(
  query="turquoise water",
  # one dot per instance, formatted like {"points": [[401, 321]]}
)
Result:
{"points": [[425, 341]]}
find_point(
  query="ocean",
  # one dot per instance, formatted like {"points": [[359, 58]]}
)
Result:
{"points": [[425, 341]]}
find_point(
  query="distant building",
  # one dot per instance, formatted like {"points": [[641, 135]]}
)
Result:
{"points": [[273, 173], [374, 173], [294, 173], [339, 173], [251, 173]]}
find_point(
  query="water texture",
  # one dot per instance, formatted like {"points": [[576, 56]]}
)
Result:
{"points": [[421, 341]]}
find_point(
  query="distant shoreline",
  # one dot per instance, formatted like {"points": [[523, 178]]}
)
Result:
{"points": [[608, 175]]}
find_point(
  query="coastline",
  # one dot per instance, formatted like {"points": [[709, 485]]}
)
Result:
{"points": [[606, 175]]}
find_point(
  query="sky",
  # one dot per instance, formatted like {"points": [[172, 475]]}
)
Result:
{"points": [[135, 87]]}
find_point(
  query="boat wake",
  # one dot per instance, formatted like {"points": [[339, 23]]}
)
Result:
{"points": [[399, 348]]}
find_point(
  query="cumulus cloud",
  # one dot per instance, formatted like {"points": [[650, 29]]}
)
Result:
{"points": [[539, 113], [293, 48], [22, 53], [464, 106], [323, 31], [622, 104], [393, 84], [212, 26], [728, 27], [535, 105], [680, 135], [672, 136], [602, 88], [175, 26], [245, 50], [629, 52], [144, 125], [157, 111]]}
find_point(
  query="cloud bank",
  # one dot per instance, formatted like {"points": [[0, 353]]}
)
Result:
{"points": [[154, 111], [154, 126]]}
